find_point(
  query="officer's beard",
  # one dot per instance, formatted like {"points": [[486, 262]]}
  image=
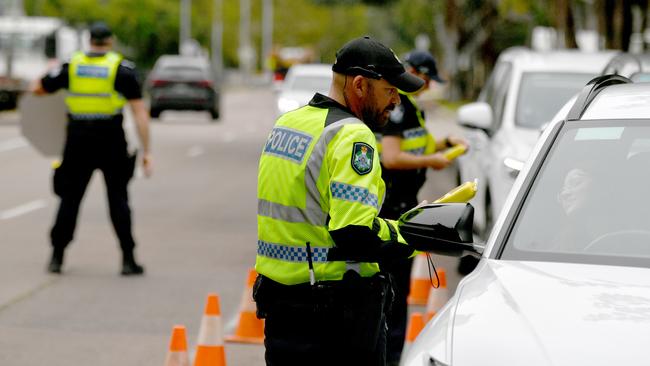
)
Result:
{"points": [[372, 115]]}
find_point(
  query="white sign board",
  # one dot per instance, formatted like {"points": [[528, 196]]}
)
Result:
{"points": [[43, 122]]}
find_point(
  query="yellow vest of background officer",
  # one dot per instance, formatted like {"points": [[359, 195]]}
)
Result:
{"points": [[91, 93]]}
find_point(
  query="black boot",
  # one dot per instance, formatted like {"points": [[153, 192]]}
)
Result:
{"points": [[56, 261], [130, 267]]}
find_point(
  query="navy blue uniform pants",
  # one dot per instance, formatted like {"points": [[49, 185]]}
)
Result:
{"points": [[400, 272], [89, 147], [338, 324]]}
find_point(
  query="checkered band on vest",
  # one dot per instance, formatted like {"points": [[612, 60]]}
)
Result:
{"points": [[290, 253], [414, 132], [352, 193], [418, 151]]}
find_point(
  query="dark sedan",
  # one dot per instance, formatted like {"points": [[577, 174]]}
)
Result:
{"points": [[183, 83]]}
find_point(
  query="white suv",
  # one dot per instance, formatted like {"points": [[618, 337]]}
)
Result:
{"points": [[525, 89], [564, 278]]}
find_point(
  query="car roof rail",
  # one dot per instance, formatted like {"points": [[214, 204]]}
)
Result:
{"points": [[590, 91]]}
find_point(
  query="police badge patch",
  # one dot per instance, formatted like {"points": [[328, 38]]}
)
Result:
{"points": [[362, 155]]}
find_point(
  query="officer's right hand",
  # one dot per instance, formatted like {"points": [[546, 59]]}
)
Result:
{"points": [[147, 165], [438, 161]]}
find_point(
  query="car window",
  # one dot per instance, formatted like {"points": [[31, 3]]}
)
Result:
{"points": [[640, 77], [184, 72], [500, 98], [542, 94], [589, 202], [495, 82], [310, 83]]}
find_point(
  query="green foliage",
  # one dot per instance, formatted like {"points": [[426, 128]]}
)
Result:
{"points": [[355, 2], [509, 33], [412, 18], [325, 28]]}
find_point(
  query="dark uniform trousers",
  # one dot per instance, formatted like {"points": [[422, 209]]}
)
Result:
{"points": [[94, 145], [333, 323], [400, 272]]}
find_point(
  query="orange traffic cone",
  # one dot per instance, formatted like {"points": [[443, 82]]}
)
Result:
{"points": [[420, 282], [438, 297], [209, 348], [415, 326], [177, 355], [249, 329]]}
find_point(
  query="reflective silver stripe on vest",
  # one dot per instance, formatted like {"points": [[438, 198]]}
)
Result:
{"points": [[291, 253], [315, 162], [98, 95], [353, 266], [348, 192], [312, 213], [289, 213], [94, 116]]}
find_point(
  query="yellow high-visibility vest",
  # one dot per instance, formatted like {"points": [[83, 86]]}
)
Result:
{"points": [[417, 140], [91, 89]]}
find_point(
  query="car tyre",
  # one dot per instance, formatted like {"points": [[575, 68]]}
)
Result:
{"points": [[155, 112], [215, 114]]}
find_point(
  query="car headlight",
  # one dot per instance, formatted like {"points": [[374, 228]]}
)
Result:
{"points": [[286, 105], [513, 166]]}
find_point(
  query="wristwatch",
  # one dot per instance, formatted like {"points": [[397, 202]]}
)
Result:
{"points": [[448, 143]]}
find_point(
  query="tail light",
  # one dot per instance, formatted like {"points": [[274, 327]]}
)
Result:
{"points": [[159, 82], [204, 83]]}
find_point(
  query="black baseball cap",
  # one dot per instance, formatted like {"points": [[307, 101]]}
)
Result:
{"points": [[424, 63], [367, 57], [100, 31]]}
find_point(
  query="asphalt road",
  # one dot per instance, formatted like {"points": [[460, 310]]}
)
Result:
{"points": [[195, 226]]}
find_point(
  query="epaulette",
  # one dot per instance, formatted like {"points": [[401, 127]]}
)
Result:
{"points": [[128, 64]]}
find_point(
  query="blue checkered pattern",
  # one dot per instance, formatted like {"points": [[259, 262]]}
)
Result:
{"points": [[414, 132], [352, 193], [291, 253], [418, 151]]}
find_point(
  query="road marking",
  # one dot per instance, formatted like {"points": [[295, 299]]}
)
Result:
{"points": [[14, 143], [195, 151], [22, 209]]}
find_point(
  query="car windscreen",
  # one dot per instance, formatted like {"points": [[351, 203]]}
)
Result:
{"points": [[542, 94], [310, 83], [589, 201], [182, 72]]}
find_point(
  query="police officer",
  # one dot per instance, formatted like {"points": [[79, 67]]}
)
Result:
{"points": [[99, 83], [319, 237], [407, 150]]}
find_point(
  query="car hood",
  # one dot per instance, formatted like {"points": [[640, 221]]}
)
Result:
{"points": [[300, 96], [538, 313]]}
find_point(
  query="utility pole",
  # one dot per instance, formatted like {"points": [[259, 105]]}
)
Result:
{"points": [[217, 39], [267, 31], [246, 52], [185, 24]]}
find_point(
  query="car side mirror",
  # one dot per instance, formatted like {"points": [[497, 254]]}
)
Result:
{"points": [[441, 228], [476, 115]]}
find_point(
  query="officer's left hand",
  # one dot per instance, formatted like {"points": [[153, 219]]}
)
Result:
{"points": [[457, 140]]}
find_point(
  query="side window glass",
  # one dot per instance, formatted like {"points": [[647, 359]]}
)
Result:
{"points": [[500, 99]]}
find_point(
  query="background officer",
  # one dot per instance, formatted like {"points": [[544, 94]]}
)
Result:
{"points": [[99, 83], [319, 237], [407, 150]]}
